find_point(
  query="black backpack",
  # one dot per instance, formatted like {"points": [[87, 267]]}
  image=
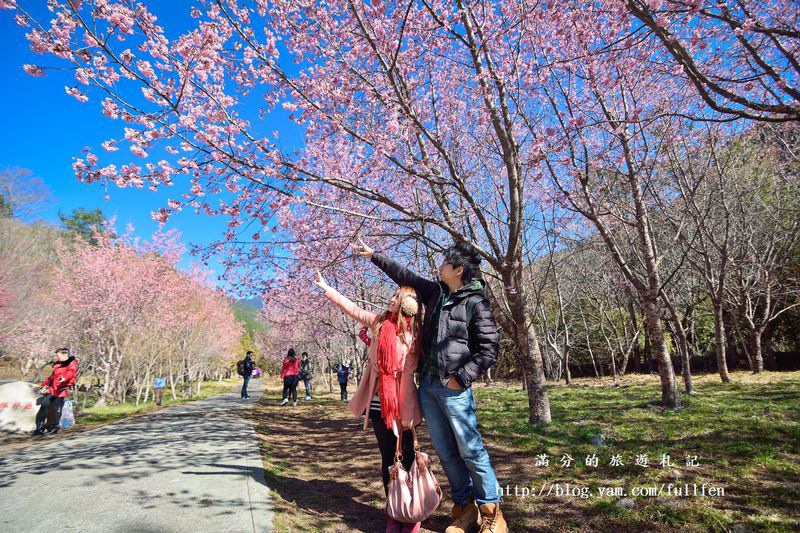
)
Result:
{"points": [[240, 367]]}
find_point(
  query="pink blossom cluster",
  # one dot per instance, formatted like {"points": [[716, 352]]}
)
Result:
{"points": [[126, 288], [421, 123]]}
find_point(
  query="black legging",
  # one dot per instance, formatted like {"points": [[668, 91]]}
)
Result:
{"points": [[290, 387], [387, 443], [49, 413], [343, 389]]}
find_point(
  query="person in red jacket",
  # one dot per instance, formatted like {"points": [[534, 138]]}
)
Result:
{"points": [[290, 374], [55, 388]]}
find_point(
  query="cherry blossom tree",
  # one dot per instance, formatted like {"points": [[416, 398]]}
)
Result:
{"points": [[424, 122], [302, 319], [764, 215], [741, 56], [4, 297], [406, 152], [33, 323], [136, 311]]}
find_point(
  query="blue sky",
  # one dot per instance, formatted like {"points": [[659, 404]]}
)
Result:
{"points": [[42, 129]]}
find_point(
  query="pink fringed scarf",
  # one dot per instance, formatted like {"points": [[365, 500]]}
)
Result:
{"points": [[390, 365]]}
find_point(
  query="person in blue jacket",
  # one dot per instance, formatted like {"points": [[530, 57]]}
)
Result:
{"points": [[343, 373]]}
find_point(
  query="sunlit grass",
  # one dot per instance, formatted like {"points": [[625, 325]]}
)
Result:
{"points": [[745, 434]]}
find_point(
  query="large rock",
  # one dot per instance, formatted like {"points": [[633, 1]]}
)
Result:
{"points": [[18, 406]]}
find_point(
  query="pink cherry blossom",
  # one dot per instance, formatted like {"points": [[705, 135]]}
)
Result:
{"points": [[79, 96], [109, 145], [34, 71], [419, 123]]}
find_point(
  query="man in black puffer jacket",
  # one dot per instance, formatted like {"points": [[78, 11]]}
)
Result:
{"points": [[460, 342]]}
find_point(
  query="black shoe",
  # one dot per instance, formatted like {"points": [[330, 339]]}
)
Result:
{"points": [[52, 431], [37, 431]]}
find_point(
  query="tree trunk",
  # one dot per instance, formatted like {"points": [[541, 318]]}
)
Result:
{"points": [[768, 353], [591, 356], [658, 346], [683, 346], [637, 352], [613, 360], [588, 343], [732, 349], [758, 356], [747, 344], [106, 392], [527, 344], [613, 365], [719, 340], [608, 345], [172, 386], [626, 354]]}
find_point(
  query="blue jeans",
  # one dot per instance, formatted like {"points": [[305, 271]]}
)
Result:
{"points": [[244, 387], [307, 383], [452, 421]]}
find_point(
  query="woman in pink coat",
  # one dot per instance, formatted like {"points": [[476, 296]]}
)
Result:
{"points": [[387, 395]]}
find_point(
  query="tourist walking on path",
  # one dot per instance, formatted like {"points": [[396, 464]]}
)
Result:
{"points": [[55, 389], [306, 373], [387, 395], [159, 384], [290, 374], [343, 375], [459, 341], [247, 372]]}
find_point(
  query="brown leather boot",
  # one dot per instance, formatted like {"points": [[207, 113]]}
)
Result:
{"points": [[466, 518], [492, 518]]}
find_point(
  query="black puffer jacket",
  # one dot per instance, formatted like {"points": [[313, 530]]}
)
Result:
{"points": [[468, 340]]}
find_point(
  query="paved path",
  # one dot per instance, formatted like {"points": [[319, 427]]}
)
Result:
{"points": [[193, 467]]}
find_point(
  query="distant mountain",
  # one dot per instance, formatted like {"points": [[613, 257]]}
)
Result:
{"points": [[257, 302], [249, 312]]}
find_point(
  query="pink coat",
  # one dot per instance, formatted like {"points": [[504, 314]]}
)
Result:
{"points": [[410, 411]]}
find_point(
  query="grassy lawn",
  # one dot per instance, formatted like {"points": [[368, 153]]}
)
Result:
{"points": [[110, 413], [324, 470], [745, 436]]}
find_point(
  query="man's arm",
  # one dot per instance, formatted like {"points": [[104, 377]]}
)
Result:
{"points": [[484, 340], [403, 276]]}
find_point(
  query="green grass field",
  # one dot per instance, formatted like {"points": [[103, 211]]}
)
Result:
{"points": [[745, 436]]}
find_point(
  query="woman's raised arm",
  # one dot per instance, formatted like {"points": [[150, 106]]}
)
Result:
{"points": [[345, 304]]}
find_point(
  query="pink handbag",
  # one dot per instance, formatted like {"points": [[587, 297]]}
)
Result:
{"points": [[415, 495]]}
